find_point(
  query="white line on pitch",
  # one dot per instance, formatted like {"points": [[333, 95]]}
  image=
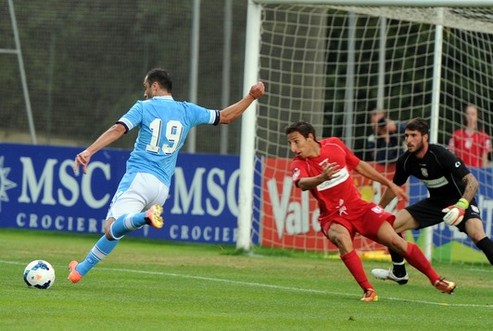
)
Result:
{"points": [[286, 288], [277, 287]]}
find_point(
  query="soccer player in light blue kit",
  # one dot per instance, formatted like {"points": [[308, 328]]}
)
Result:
{"points": [[163, 127]]}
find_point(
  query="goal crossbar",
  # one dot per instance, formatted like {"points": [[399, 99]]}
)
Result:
{"points": [[388, 3]]}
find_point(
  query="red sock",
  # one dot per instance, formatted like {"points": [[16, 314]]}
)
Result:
{"points": [[353, 263], [417, 259]]}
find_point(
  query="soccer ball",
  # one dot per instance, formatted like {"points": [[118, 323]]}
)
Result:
{"points": [[39, 274]]}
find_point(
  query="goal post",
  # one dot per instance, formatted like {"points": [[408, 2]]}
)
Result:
{"points": [[247, 163], [332, 63]]}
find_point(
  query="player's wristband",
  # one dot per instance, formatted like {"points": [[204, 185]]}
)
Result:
{"points": [[462, 203]]}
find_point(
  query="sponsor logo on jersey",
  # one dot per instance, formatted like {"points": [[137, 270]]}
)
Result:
{"points": [[343, 175]]}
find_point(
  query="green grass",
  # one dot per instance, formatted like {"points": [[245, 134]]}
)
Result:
{"points": [[149, 285]]}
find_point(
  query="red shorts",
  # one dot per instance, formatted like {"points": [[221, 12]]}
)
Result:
{"points": [[366, 223]]}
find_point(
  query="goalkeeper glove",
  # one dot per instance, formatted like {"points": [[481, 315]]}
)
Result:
{"points": [[455, 213]]}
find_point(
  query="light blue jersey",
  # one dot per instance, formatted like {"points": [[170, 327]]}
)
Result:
{"points": [[164, 126]]}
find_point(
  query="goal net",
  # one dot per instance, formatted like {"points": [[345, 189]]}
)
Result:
{"points": [[358, 73]]}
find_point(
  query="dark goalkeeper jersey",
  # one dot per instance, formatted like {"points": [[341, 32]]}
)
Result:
{"points": [[439, 170]]}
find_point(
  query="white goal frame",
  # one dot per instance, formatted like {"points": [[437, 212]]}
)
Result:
{"points": [[251, 70]]}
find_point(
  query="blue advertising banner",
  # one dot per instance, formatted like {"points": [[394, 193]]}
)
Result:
{"points": [[39, 191]]}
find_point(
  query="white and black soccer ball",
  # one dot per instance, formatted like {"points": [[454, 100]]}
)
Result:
{"points": [[39, 274]]}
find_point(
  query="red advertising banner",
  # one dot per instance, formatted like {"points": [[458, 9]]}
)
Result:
{"points": [[290, 218]]}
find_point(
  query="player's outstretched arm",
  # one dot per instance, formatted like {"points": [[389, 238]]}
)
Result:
{"points": [[369, 172], [232, 112], [387, 197], [108, 137]]}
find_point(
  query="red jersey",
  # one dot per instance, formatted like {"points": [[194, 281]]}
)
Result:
{"points": [[338, 197], [470, 147]]}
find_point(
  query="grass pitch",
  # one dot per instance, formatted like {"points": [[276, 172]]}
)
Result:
{"points": [[149, 285]]}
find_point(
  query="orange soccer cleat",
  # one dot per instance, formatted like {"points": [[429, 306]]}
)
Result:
{"points": [[153, 216], [74, 276], [445, 286], [370, 295]]}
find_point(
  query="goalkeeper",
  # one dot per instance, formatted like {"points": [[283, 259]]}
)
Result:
{"points": [[451, 190]]}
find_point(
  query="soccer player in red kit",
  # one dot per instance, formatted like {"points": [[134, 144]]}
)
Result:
{"points": [[324, 167]]}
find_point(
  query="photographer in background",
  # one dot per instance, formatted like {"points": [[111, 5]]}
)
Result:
{"points": [[384, 145]]}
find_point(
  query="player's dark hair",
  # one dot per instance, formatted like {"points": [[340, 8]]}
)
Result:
{"points": [[418, 124], [160, 76], [304, 128]]}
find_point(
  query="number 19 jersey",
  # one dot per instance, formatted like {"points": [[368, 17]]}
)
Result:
{"points": [[164, 125]]}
